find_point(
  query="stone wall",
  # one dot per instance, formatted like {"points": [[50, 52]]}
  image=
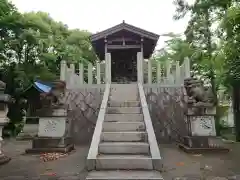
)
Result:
{"points": [[83, 107], [166, 106]]}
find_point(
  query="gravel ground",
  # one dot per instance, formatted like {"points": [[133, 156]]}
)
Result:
{"points": [[199, 166], [31, 167], [177, 164]]}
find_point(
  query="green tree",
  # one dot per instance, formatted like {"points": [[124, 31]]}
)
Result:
{"points": [[200, 34], [32, 46], [231, 31]]}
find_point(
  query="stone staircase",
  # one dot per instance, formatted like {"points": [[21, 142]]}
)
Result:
{"points": [[124, 149]]}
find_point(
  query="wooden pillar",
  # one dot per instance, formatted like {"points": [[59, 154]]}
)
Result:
{"points": [[140, 67], [105, 46], [63, 70], [142, 44]]}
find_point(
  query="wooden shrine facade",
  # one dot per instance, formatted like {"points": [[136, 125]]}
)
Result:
{"points": [[124, 47]]}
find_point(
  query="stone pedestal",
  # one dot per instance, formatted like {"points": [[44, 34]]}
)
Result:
{"points": [[53, 134], [202, 136]]}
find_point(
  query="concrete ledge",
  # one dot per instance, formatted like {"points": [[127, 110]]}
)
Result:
{"points": [[4, 159], [203, 150], [50, 150]]}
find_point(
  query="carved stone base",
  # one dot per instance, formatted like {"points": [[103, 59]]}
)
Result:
{"points": [[201, 144], [4, 159], [44, 144], [203, 150], [196, 141]]}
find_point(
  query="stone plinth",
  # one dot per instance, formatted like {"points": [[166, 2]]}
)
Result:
{"points": [[201, 124], [53, 134]]}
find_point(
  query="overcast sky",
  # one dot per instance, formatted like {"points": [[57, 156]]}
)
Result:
{"points": [[96, 15]]}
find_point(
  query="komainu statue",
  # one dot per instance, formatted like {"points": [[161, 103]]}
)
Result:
{"points": [[197, 94], [54, 98]]}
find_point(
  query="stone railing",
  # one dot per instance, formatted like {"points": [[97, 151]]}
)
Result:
{"points": [[88, 73], [154, 149], [93, 151], [165, 73]]}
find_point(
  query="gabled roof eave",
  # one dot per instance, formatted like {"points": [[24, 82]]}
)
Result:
{"points": [[124, 26]]}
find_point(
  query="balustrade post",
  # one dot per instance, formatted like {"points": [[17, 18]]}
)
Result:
{"points": [[63, 70], [140, 67], [108, 68], [149, 71]]}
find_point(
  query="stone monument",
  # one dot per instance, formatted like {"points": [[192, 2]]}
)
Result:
{"points": [[54, 127], [200, 116], [4, 100]]}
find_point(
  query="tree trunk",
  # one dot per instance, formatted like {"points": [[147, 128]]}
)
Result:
{"points": [[212, 78], [236, 110]]}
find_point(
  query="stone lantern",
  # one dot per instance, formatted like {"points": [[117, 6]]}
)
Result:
{"points": [[4, 100]]}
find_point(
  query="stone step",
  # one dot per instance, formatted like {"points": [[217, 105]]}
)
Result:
{"points": [[121, 96], [124, 162], [123, 126], [123, 117], [130, 136], [127, 95], [123, 110], [124, 175], [124, 104], [123, 148]]}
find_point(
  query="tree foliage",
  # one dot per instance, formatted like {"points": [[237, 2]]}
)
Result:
{"points": [[31, 47], [211, 41]]}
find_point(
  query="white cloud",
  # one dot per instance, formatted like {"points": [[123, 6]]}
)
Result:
{"points": [[96, 15]]}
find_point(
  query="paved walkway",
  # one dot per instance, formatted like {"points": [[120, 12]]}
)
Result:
{"points": [[176, 164]]}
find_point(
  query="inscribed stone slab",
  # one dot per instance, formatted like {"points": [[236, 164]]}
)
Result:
{"points": [[203, 126], [52, 127]]}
